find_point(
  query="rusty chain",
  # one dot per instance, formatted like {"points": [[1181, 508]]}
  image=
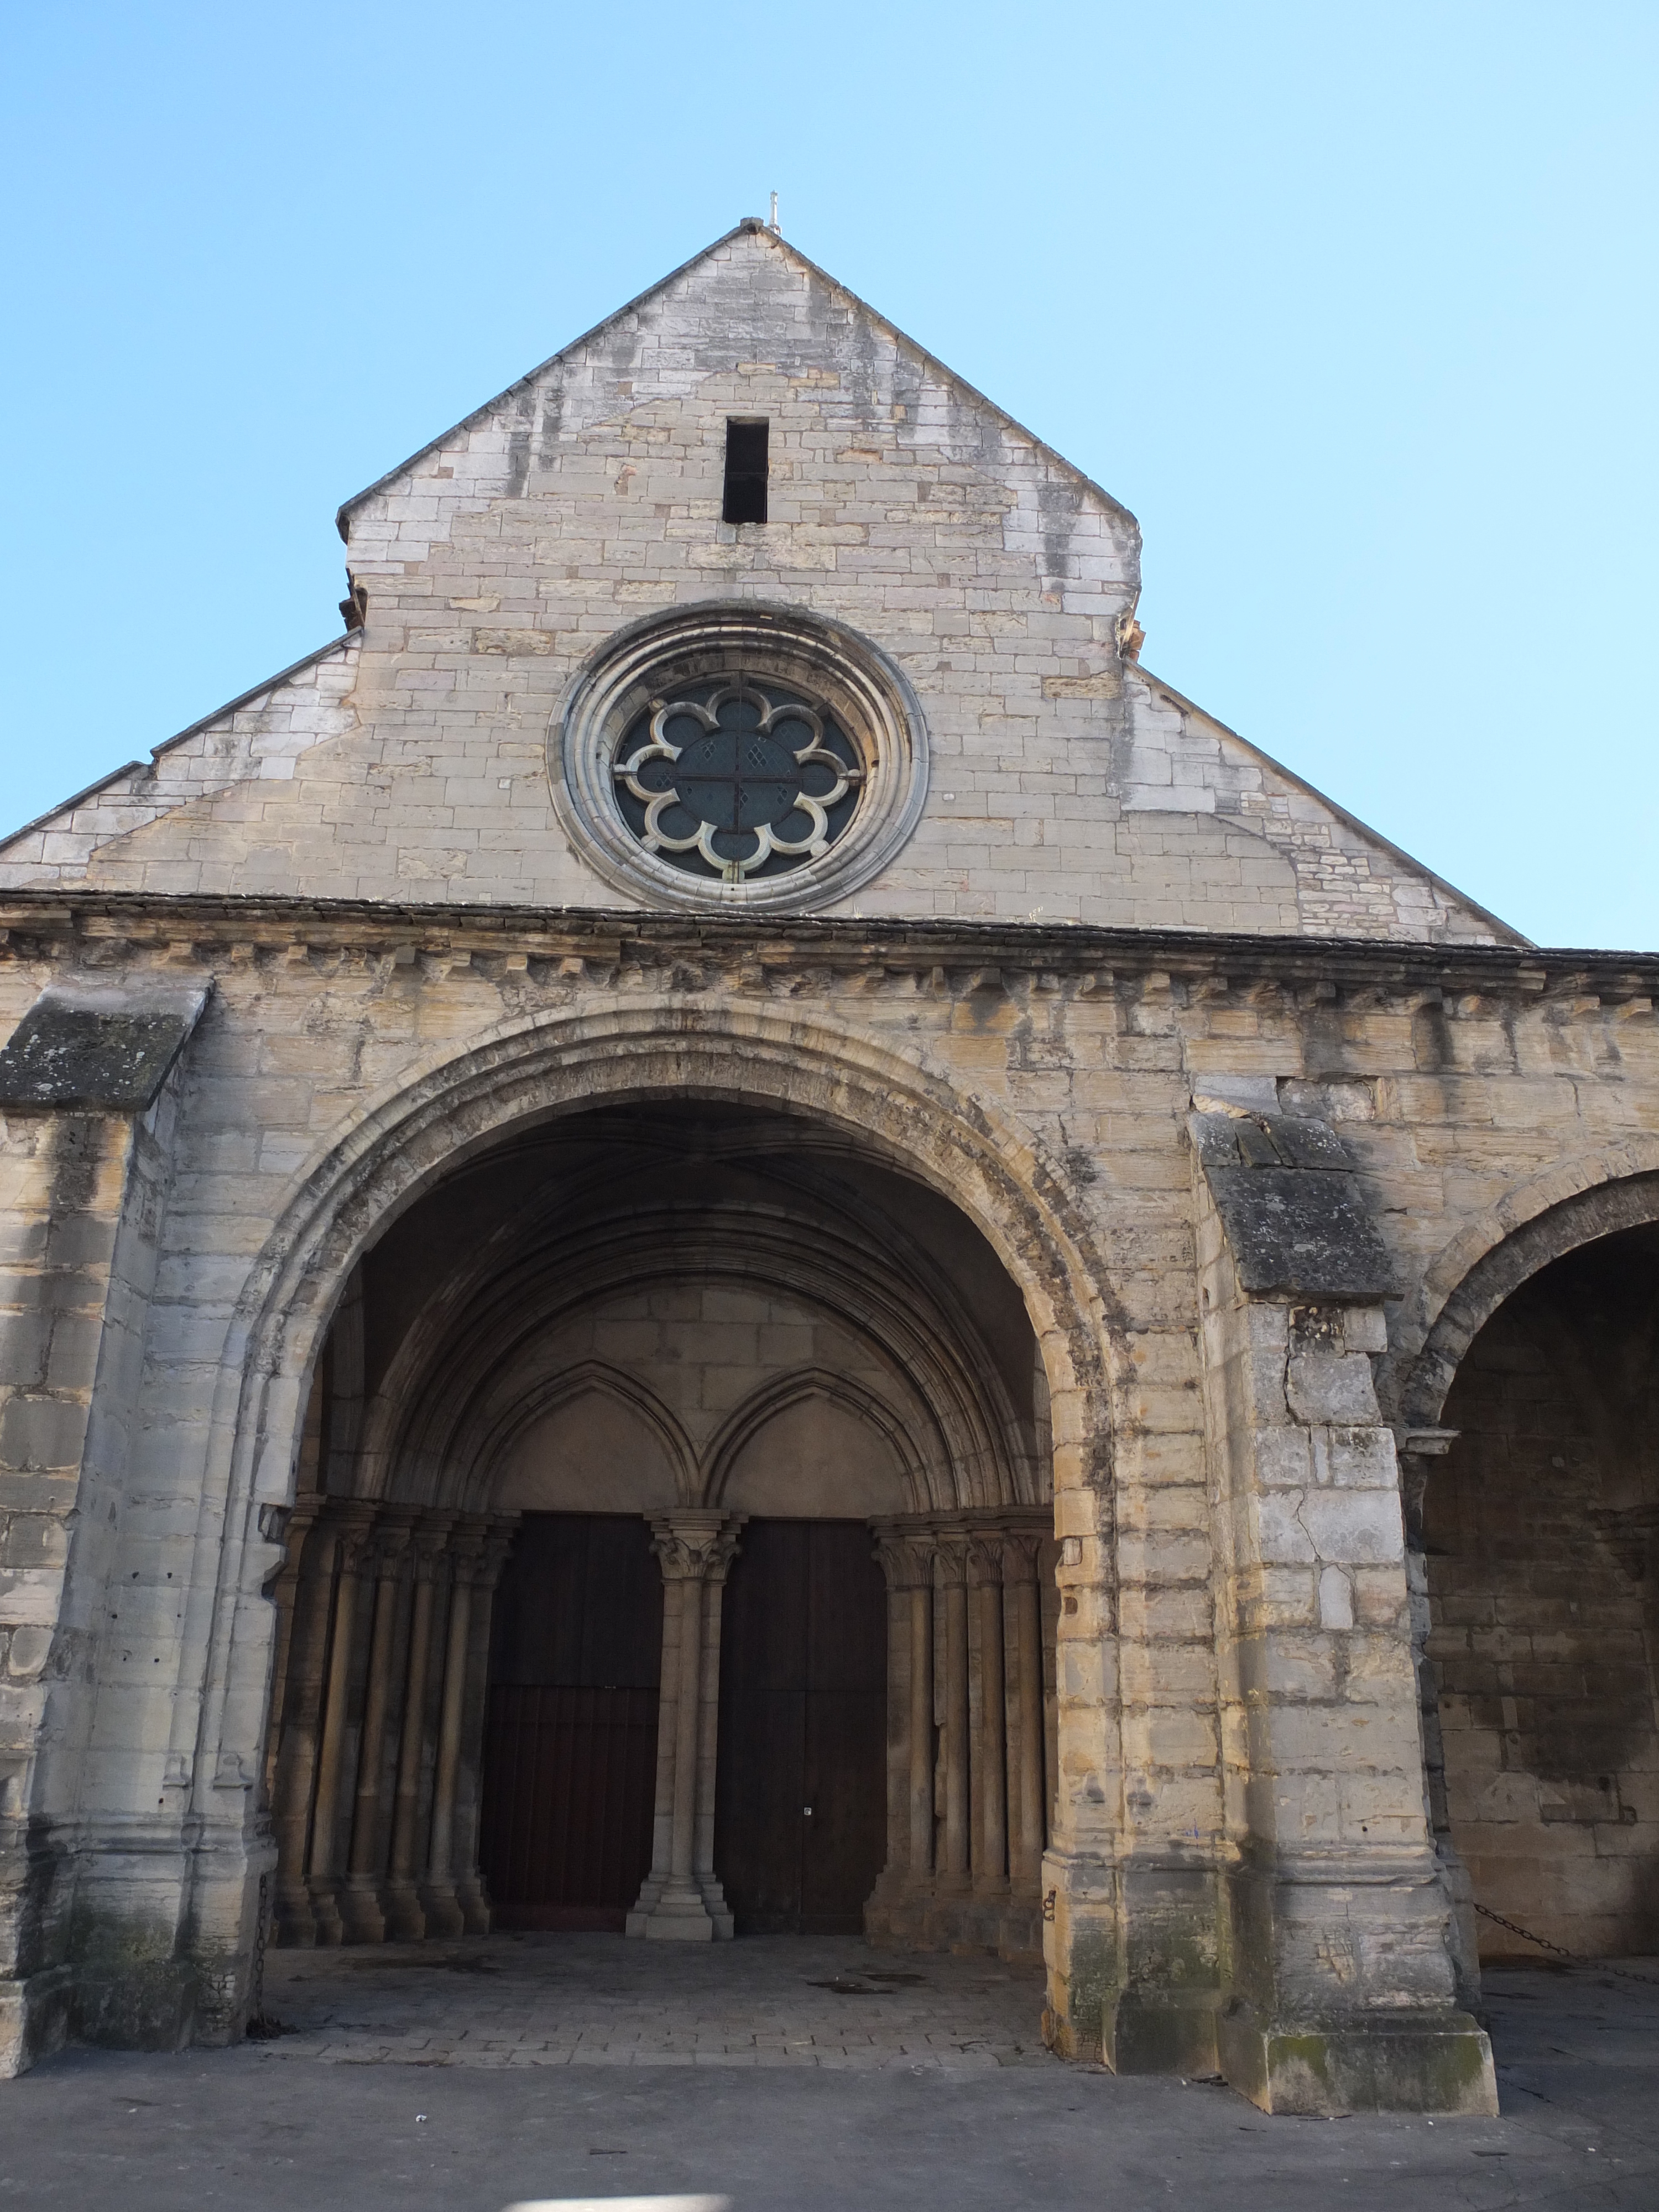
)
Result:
{"points": [[1573, 1958]]}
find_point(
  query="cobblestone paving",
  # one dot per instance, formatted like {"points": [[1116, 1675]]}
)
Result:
{"points": [[532, 2000]]}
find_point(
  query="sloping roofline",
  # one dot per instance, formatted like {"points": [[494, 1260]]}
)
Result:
{"points": [[1506, 930], [202, 722], [751, 226]]}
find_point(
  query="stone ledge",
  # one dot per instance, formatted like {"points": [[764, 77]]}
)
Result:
{"points": [[1290, 1207], [165, 919], [94, 1052]]}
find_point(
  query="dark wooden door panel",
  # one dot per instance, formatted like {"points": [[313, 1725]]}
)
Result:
{"points": [[846, 1838], [569, 1777], [580, 1602], [803, 1723], [570, 1745], [758, 1853]]}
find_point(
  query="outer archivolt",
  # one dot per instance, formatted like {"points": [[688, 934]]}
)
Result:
{"points": [[735, 778]]}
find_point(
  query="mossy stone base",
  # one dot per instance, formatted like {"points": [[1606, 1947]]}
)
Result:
{"points": [[1160, 2032], [34, 2017], [1419, 2061]]}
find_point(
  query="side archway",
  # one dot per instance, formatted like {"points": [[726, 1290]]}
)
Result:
{"points": [[1530, 1428]]}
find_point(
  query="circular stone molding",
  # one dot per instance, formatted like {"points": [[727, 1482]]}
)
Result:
{"points": [[744, 755]]}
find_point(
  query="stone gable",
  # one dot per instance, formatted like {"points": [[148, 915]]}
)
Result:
{"points": [[410, 760]]}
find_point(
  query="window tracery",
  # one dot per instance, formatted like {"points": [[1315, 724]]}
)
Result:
{"points": [[736, 779], [745, 755]]}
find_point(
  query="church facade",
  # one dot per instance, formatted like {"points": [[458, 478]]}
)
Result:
{"points": [[720, 1229]]}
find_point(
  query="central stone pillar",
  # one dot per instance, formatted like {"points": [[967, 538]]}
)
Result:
{"points": [[682, 1899], [896, 1911], [1341, 1993]]}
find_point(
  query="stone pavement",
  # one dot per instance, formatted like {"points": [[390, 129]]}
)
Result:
{"points": [[594, 2001], [485, 2076]]}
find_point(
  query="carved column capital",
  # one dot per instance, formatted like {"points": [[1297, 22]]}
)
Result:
{"points": [[951, 1548], [695, 1544], [497, 1544], [1022, 1548], [1632, 1534], [985, 1559], [393, 1534], [431, 1542], [354, 1520], [906, 1555], [469, 1541]]}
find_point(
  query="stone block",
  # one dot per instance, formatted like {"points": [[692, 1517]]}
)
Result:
{"points": [[1331, 1387], [1296, 1221], [94, 1051]]}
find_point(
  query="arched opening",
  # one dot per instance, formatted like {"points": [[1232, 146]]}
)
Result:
{"points": [[1539, 1526], [671, 1551]]}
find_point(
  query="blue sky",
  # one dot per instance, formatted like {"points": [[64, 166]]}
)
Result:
{"points": [[1355, 306]]}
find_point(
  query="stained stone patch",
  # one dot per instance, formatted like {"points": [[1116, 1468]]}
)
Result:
{"points": [[1291, 1206], [93, 1054]]}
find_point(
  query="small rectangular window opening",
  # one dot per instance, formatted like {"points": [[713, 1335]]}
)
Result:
{"points": [[745, 473]]}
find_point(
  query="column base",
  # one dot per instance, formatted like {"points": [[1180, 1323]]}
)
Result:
{"points": [[719, 1910], [442, 1910], [921, 1919], [1417, 2061], [325, 1912], [34, 2017], [362, 1920], [474, 1900], [294, 1923], [675, 1913], [405, 1923]]}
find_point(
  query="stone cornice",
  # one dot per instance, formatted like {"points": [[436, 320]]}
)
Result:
{"points": [[193, 929]]}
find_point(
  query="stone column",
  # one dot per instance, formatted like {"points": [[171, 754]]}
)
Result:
{"points": [[470, 1890], [989, 1757], [405, 1922], [439, 1901], [1023, 1645], [355, 1520], [714, 1597], [294, 1766], [292, 1525], [361, 1916], [1419, 1449], [680, 1899], [918, 1795], [952, 1856], [905, 1553]]}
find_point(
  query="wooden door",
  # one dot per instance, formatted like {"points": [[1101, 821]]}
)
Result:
{"points": [[801, 1807], [570, 1744]]}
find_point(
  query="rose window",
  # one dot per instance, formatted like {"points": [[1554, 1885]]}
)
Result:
{"points": [[735, 779]]}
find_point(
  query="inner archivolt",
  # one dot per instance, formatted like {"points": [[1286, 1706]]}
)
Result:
{"points": [[736, 779]]}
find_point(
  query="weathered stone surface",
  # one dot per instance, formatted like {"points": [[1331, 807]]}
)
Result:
{"points": [[1292, 1208], [482, 1193], [92, 1054]]}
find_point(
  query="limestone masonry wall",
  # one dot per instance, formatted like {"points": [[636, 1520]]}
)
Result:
{"points": [[411, 761], [1040, 1078]]}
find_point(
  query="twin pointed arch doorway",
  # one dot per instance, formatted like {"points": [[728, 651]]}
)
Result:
{"points": [[735, 1441]]}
